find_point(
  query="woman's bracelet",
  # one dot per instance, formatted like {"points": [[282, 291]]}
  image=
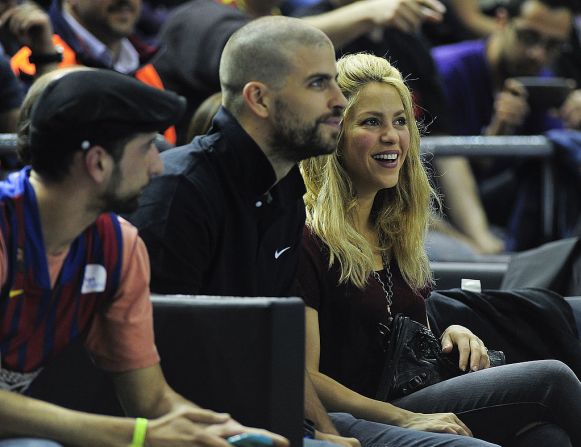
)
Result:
{"points": [[139, 433]]}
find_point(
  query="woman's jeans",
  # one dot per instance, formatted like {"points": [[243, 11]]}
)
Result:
{"points": [[537, 400]]}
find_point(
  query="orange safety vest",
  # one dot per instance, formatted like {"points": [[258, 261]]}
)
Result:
{"points": [[146, 74]]}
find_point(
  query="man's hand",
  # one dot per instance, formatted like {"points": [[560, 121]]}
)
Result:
{"points": [[436, 422], [510, 109], [405, 15], [571, 110], [195, 427], [30, 24], [470, 347], [336, 439]]}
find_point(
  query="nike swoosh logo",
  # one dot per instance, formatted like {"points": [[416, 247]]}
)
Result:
{"points": [[278, 253], [15, 293]]}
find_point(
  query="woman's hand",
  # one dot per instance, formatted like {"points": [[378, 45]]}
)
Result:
{"points": [[436, 422], [471, 350]]}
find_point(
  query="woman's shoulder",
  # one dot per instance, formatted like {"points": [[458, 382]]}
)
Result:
{"points": [[313, 245], [311, 239]]}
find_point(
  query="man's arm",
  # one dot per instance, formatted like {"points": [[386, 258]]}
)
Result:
{"points": [[464, 204], [145, 393], [33, 418], [472, 17], [186, 425], [346, 23]]}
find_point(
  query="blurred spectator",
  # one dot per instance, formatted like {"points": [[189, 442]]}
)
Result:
{"points": [[196, 32], [474, 72], [95, 34], [483, 98], [468, 19]]}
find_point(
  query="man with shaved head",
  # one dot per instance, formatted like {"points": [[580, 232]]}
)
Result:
{"points": [[232, 200]]}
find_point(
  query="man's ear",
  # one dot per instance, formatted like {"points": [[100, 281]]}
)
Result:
{"points": [[257, 98], [98, 163]]}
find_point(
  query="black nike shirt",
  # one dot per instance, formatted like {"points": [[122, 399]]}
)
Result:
{"points": [[213, 223]]}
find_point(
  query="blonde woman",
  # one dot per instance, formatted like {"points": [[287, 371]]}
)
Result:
{"points": [[363, 261]]}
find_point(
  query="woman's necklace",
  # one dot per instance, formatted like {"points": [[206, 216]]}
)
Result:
{"points": [[386, 286]]}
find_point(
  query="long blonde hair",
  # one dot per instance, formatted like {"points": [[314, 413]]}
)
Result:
{"points": [[401, 214]]}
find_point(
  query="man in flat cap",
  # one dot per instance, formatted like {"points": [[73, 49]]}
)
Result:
{"points": [[71, 269]]}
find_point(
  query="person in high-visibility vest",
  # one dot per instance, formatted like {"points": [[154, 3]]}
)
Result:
{"points": [[82, 32]]}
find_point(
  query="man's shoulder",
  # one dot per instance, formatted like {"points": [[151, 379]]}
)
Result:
{"points": [[193, 160], [128, 230], [191, 184]]}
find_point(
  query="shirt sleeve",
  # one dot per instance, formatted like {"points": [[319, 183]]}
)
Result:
{"points": [[121, 337]]}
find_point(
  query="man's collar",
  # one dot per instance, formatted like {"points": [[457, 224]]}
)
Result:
{"points": [[251, 166]]}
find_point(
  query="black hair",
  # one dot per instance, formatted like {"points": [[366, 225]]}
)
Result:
{"points": [[53, 160]]}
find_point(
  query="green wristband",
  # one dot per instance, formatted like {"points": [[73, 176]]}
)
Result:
{"points": [[139, 433]]}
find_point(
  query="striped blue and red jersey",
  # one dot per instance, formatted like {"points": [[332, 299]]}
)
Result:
{"points": [[38, 321]]}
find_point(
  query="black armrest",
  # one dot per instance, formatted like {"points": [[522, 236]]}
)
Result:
{"points": [[244, 356], [448, 275]]}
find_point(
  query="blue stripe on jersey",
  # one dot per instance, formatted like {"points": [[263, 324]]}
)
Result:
{"points": [[34, 252], [116, 278], [41, 305]]}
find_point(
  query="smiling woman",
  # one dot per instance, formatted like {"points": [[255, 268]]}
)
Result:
{"points": [[377, 139], [368, 207]]}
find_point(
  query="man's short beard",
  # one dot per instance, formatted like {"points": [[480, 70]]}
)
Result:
{"points": [[111, 202], [119, 205], [293, 140]]}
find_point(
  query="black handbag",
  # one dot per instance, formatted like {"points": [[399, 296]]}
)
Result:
{"points": [[414, 359]]}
